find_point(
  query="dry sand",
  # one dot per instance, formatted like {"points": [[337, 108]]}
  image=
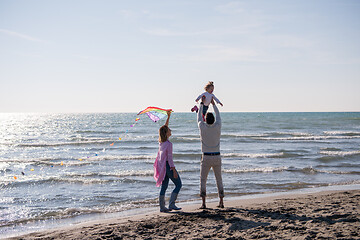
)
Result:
{"points": [[324, 215]]}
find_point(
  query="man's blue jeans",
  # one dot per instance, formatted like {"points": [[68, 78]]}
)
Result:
{"points": [[170, 175]]}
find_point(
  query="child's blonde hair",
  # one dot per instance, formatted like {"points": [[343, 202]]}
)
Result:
{"points": [[208, 85], [163, 134]]}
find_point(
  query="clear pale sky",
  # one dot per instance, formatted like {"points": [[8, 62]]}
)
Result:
{"points": [[122, 56]]}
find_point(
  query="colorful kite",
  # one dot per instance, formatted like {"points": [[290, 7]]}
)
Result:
{"points": [[155, 113]]}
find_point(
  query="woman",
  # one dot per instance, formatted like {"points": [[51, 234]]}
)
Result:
{"points": [[165, 169]]}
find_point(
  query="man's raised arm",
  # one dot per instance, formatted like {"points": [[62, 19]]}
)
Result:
{"points": [[217, 114]]}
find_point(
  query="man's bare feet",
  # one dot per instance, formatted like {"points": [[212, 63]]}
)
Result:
{"points": [[203, 206], [221, 203]]}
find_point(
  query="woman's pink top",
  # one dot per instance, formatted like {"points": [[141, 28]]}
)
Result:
{"points": [[164, 155]]}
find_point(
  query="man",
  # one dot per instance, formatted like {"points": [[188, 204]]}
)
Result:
{"points": [[210, 132]]}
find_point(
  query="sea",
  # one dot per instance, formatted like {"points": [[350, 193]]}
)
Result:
{"points": [[57, 167]]}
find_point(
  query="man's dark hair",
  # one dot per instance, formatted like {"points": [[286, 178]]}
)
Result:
{"points": [[209, 118]]}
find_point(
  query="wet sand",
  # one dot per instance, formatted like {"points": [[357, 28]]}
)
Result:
{"points": [[323, 215]]}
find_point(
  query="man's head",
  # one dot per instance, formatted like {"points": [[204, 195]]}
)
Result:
{"points": [[209, 118]]}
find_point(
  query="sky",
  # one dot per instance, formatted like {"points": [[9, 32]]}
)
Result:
{"points": [[122, 56]]}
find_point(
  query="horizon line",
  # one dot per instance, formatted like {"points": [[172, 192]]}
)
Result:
{"points": [[357, 111]]}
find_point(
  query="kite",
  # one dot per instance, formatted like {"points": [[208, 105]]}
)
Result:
{"points": [[155, 113]]}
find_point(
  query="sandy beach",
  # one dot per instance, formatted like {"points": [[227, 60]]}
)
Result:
{"points": [[322, 215]]}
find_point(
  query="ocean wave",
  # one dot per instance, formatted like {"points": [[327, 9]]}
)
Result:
{"points": [[89, 141], [259, 170], [265, 134], [83, 161], [4, 167], [77, 179], [117, 174], [340, 153], [289, 186], [240, 135], [342, 133], [342, 172], [90, 159], [307, 138], [31, 160], [254, 155], [291, 136], [305, 170], [51, 214], [342, 165], [58, 144], [79, 160], [300, 185], [185, 155], [268, 136], [185, 139], [311, 170], [330, 149], [237, 155], [125, 157], [99, 132], [82, 178]]}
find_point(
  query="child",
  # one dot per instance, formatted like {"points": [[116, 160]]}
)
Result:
{"points": [[165, 169], [207, 96]]}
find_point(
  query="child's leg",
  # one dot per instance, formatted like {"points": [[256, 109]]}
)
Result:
{"points": [[205, 108]]}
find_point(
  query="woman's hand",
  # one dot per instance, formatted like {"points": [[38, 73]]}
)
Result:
{"points": [[168, 118], [175, 173]]}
